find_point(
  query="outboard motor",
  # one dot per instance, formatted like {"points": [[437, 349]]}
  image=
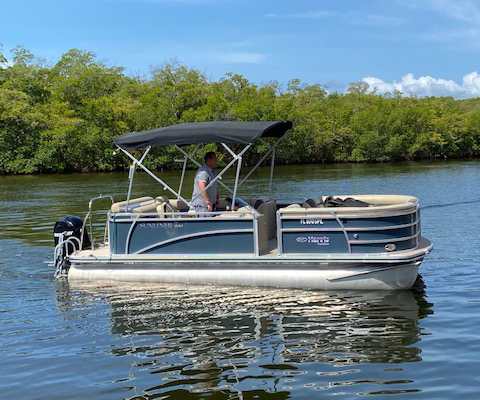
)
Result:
{"points": [[70, 226]]}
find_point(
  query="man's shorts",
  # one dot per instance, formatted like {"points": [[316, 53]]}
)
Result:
{"points": [[200, 208]]}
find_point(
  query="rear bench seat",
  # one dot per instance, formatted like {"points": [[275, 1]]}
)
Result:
{"points": [[132, 204], [179, 205], [144, 205]]}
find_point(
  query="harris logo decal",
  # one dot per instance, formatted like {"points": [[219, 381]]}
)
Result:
{"points": [[318, 240]]}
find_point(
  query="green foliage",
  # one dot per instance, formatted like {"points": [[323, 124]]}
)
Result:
{"points": [[64, 117]]}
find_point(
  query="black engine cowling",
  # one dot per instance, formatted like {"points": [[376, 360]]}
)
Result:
{"points": [[69, 226]]}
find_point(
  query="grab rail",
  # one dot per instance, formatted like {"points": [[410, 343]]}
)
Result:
{"points": [[340, 223], [61, 254], [89, 216]]}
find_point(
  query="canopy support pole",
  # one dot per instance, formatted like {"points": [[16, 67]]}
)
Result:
{"points": [[165, 185], [185, 167], [270, 184], [131, 174], [199, 165], [235, 188], [270, 150], [229, 150], [235, 158]]}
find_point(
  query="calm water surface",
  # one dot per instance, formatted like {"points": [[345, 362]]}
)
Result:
{"points": [[101, 341]]}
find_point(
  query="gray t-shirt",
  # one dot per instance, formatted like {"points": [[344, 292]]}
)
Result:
{"points": [[204, 174]]}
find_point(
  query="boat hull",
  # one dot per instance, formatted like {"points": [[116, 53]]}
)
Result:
{"points": [[321, 276]]}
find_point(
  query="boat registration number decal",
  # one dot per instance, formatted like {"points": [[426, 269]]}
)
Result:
{"points": [[318, 240], [311, 221]]}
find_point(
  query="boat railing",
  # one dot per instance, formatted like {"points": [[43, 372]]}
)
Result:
{"points": [[311, 220], [177, 215], [89, 220], [183, 226], [62, 252]]}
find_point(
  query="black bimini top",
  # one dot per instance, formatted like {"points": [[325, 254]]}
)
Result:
{"points": [[204, 132]]}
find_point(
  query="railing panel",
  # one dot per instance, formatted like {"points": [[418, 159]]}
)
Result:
{"points": [[182, 236], [326, 231]]}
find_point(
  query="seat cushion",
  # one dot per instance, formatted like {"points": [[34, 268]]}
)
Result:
{"points": [[133, 203], [147, 209], [179, 205], [238, 213], [294, 206], [162, 198]]}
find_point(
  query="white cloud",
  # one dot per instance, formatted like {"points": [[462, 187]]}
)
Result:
{"points": [[352, 17], [461, 27], [428, 86], [463, 10], [304, 15], [238, 57]]}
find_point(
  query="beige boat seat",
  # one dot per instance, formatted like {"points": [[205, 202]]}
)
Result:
{"points": [[162, 198], [238, 213], [269, 210], [386, 205], [163, 206], [147, 209], [179, 205], [133, 203], [159, 205], [293, 206]]}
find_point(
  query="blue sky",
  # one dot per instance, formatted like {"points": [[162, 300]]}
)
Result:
{"points": [[425, 47]]}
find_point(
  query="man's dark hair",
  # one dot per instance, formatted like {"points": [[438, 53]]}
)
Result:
{"points": [[209, 155]]}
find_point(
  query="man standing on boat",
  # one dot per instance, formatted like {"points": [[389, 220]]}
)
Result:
{"points": [[205, 200]]}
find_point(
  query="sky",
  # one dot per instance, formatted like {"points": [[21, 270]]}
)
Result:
{"points": [[421, 47]]}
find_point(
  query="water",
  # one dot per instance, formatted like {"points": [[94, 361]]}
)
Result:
{"points": [[94, 340]]}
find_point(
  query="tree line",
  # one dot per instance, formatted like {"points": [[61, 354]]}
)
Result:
{"points": [[63, 117]]}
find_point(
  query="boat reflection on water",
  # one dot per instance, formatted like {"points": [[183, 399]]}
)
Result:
{"points": [[199, 339]]}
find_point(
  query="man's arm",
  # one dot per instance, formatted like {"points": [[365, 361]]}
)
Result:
{"points": [[202, 185]]}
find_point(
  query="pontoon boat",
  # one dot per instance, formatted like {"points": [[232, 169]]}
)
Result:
{"points": [[258, 241]]}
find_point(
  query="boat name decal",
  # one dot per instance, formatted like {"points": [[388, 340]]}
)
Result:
{"points": [[311, 221], [163, 225], [318, 240]]}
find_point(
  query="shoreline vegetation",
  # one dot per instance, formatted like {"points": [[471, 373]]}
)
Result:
{"points": [[63, 117]]}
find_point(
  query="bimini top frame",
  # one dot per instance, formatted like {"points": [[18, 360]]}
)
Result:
{"points": [[223, 132]]}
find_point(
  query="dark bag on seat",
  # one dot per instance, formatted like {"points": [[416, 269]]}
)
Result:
{"points": [[330, 201]]}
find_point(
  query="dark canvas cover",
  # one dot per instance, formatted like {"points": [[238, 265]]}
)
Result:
{"points": [[204, 132]]}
